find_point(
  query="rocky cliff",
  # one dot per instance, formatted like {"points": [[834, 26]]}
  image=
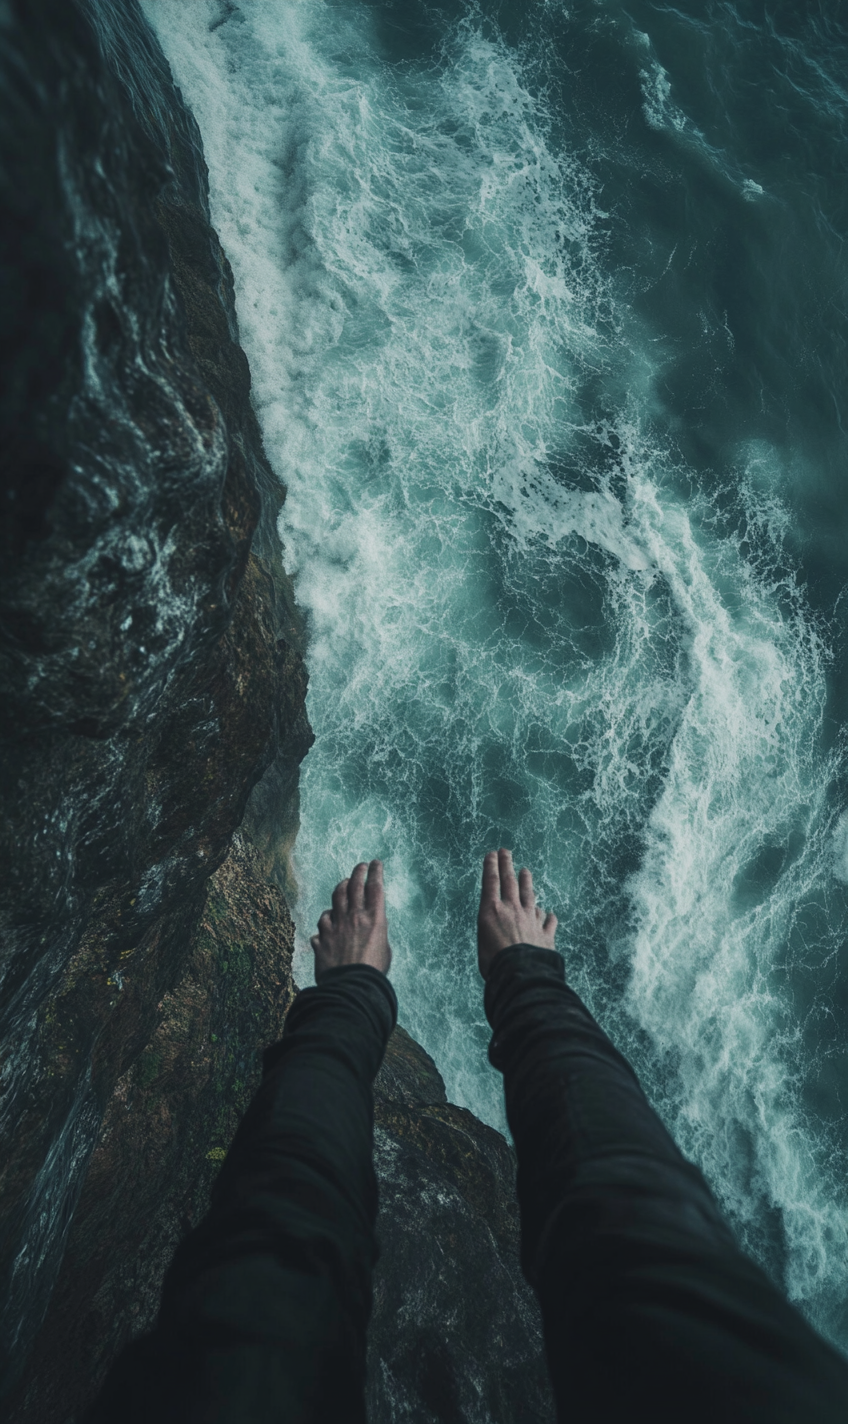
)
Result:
{"points": [[152, 723], [150, 659]]}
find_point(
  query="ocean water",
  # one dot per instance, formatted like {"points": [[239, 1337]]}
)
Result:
{"points": [[546, 310]]}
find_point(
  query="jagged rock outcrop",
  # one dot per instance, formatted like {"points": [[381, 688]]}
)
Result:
{"points": [[164, 1135], [456, 1333]]}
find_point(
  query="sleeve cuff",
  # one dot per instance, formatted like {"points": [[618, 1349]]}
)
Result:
{"points": [[517, 965], [363, 974], [361, 985]]}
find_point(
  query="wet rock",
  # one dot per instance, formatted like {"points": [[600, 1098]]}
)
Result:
{"points": [[164, 1135], [149, 647], [456, 1335]]}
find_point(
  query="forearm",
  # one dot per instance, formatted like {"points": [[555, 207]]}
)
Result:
{"points": [[299, 1174], [269, 1297], [650, 1310], [582, 1126]]}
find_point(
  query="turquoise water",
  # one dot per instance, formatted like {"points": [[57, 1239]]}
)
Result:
{"points": [[546, 312]]}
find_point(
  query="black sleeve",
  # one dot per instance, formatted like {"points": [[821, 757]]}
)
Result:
{"points": [[650, 1310], [265, 1306]]}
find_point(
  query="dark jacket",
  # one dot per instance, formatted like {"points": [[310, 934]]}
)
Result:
{"points": [[650, 1311]]}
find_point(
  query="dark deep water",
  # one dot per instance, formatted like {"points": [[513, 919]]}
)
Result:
{"points": [[546, 312]]}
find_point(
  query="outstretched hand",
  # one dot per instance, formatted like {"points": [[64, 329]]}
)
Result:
{"points": [[508, 911], [355, 930]]}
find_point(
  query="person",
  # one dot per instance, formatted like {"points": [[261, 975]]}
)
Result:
{"points": [[650, 1311]]}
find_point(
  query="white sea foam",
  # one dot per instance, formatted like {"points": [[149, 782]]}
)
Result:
{"points": [[840, 849], [658, 106], [663, 114], [520, 630]]}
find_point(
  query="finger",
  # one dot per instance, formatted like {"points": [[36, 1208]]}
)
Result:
{"points": [[550, 924], [525, 889], [491, 879], [509, 884], [325, 924], [339, 900], [374, 885], [356, 887]]}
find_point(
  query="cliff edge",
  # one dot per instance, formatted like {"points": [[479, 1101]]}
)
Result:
{"points": [[150, 649], [151, 727]]}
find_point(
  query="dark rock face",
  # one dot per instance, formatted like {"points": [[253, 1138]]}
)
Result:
{"points": [[456, 1336], [164, 1134], [147, 657]]}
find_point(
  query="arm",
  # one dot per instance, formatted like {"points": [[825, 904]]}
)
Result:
{"points": [[650, 1310], [265, 1306]]}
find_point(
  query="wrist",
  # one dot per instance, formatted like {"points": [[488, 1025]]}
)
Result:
{"points": [[488, 959], [521, 965]]}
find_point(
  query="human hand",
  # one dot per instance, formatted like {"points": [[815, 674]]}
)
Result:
{"points": [[355, 930], [508, 912]]}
